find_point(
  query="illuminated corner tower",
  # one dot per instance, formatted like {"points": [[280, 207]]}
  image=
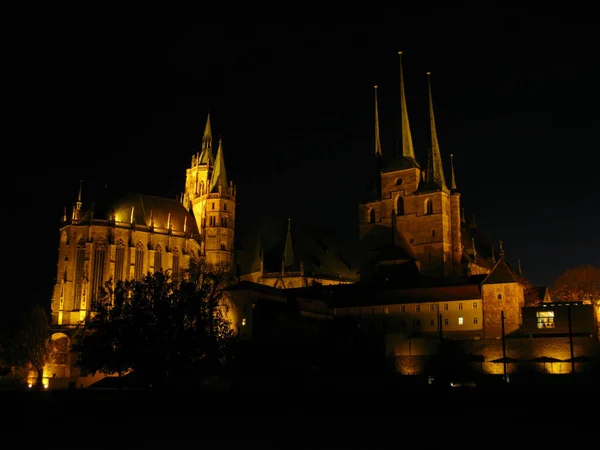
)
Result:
{"points": [[411, 204], [211, 198]]}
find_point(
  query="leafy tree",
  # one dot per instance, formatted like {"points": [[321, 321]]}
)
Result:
{"points": [[578, 284], [32, 342], [163, 328]]}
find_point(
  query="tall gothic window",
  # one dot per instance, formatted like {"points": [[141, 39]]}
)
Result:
{"points": [[119, 260], [139, 262], [158, 259], [79, 273], [428, 207], [98, 269], [399, 206], [175, 261]]}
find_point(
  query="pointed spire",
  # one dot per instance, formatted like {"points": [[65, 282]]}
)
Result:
{"points": [[408, 152], [501, 250], [78, 205], [206, 154], [452, 179], [218, 181], [378, 154], [519, 271], [493, 255], [288, 251], [434, 179]]}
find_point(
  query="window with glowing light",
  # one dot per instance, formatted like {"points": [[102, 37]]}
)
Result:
{"points": [[545, 319], [461, 320]]}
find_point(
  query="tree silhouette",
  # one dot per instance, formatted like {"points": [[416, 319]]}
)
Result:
{"points": [[33, 343], [164, 328], [578, 284]]}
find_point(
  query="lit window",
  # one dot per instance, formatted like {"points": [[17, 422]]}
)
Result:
{"points": [[244, 322], [545, 319], [461, 320]]}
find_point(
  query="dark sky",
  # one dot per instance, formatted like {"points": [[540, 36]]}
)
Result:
{"points": [[515, 95]]}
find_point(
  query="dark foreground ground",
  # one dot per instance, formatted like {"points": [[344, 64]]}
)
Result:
{"points": [[353, 412]]}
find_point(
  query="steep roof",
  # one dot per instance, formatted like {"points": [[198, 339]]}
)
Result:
{"points": [[500, 274], [318, 249]]}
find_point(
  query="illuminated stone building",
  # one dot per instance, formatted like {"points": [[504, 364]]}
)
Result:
{"points": [[125, 235], [424, 272]]}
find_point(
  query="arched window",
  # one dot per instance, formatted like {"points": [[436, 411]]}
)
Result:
{"points": [[371, 216], [399, 206], [428, 207]]}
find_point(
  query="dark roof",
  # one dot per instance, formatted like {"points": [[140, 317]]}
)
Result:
{"points": [[501, 274], [345, 296], [146, 209], [399, 163], [319, 249]]}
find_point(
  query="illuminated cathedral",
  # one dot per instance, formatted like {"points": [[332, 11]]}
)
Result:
{"points": [[125, 235], [423, 270]]}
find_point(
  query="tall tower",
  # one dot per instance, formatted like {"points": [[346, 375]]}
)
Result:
{"points": [[428, 228], [412, 203], [211, 198], [455, 222]]}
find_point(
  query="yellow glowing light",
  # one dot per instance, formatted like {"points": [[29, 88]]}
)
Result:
{"points": [[244, 322]]}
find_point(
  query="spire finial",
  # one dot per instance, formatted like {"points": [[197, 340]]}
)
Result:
{"points": [[407, 142], [378, 153], [435, 173], [452, 179]]}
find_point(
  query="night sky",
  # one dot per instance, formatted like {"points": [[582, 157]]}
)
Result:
{"points": [[515, 97]]}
